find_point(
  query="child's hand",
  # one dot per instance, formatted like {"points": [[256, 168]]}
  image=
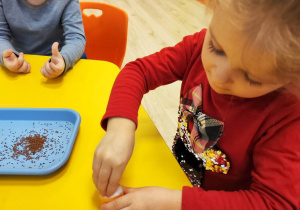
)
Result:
{"points": [[14, 63], [146, 198], [56, 66], [112, 155]]}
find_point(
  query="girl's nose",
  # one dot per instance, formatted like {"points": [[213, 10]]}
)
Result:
{"points": [[222, 74]]}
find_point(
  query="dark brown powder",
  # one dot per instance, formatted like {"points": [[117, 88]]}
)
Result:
{"points": [[29, 146]]}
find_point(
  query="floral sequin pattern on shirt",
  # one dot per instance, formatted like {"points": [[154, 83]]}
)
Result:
{"points": [[196, 136]]}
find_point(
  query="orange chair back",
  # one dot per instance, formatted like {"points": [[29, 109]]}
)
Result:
{"points": [[106, 35], [202, 1]]}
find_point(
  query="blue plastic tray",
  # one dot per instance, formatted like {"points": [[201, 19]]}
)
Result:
{"points": [[36, 141]]}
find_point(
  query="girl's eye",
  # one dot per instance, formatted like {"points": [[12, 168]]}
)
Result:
{"points": [[212, 48], [251, 82]]}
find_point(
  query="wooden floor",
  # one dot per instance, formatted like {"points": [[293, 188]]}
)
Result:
{"points": [[153, 25]]}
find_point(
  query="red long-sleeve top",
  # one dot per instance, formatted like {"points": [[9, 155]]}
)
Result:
{"points": [[261, 136]]}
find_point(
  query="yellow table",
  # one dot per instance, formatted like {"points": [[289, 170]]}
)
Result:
{"points": [[86, 89]]}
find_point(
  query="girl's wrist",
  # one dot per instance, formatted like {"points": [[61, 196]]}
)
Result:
{"points": [[119, 124], [176, 199]]}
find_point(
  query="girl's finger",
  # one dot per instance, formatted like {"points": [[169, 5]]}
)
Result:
{"points": [[96, 169], [103, 178], [20, 59], [114, 181], [127, 190], [122, 203]]}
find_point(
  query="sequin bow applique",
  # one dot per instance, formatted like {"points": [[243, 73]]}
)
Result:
{"points": [[206, 130], [196, 136]]}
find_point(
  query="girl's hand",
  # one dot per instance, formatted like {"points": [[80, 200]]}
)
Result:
{"points": [[56, 66], [112, 154], [154, 198], [14, 63]]}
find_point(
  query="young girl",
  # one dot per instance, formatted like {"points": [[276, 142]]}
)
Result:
{"points": [[41, 27], [238, 135]]}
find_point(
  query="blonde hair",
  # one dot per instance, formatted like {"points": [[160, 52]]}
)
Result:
{"points": [[272, 24]]}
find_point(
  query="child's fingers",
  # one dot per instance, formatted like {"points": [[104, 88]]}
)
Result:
{"points": [[54, 48], [95, 179], [114, 181], [20, 59], [7, 53], [10, 60], [55, 60], [20, 65], [44, 72], [24, 67], [103, 178], [96, 168], [28, 68], [48, 68], [120, 203], [47, 71], [54, 67], [127, 190]]}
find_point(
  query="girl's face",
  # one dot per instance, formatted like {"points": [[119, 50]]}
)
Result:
{"points": [[234, 66]]}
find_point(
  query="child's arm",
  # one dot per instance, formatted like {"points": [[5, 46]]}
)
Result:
{"points": [[74, 34], [154, 198], [135, 79], [6, 47], [145, 74], [112, 154]]}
